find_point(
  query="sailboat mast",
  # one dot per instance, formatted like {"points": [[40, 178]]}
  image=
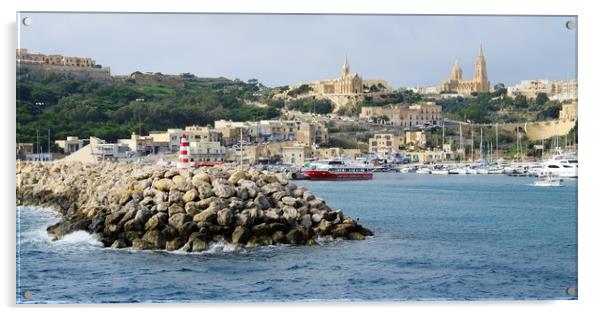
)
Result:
{"points": [[462, 144], [497, 144], [481, 145]]}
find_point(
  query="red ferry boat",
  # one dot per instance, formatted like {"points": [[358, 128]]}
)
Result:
{"points": [[337, 171]]}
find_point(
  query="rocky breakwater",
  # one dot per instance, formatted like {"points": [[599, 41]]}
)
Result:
{"points": [[155, 207]]}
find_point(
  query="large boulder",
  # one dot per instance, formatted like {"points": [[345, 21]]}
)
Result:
{"points": [[224, 217], [178, 221], [155, 238], [208, 216], [237, 176], [223, 190], [157, 221], [190, 196], [295, 237], [241, 235], [262, 202], [201, 178], [174, 244], [175, 209], [163, 185]]}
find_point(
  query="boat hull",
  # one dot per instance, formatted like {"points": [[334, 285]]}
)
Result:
{"points": [[328, 175]]}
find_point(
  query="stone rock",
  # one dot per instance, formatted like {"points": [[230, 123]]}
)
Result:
{"points": [[200, 178], [277, 196], [209, 216], [174, 244], [224, 217], [157, 221], [356, 236], [271, 215], [162, 206], [241, 235], [270, 188], [237, 176], [262, 201], [190, 196], [164, 185], [175, 209], [199, 245], [278, 237], [261, 229], [250, 186], [142, 244], [191, 208], [175, 196], [97, 225], [287, 200], [170, 173], [306, 221], [205, 190], [177, 221], [295, 237], [324, 228], [342, 230], [243, 219], [114, 218], [119, 244], [316, 218], [180, 183], [265, 240], [188, 228], [290, 214], [60, 229], [155, 238], [223, 190]]}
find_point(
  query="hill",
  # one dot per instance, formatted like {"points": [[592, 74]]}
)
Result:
{"points": [[115, 109]]}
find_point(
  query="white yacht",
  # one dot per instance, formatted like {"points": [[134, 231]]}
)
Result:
{"points": [[561, 165], [458, 171]]}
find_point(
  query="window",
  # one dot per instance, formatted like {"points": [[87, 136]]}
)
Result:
{"points": [[553, 166]]}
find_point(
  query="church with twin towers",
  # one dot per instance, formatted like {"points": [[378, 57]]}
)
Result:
{"points": [[478, 84]]}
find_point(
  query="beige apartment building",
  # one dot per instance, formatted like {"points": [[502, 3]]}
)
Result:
{"points": [[406, 115], [71, 144], [295, 155], [385, 145], [204, 150], [23, 56]]}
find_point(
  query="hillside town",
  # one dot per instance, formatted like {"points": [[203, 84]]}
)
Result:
{"points": [[394, 131]]}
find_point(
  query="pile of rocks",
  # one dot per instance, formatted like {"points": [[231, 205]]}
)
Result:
{"points": [[156, 207]]}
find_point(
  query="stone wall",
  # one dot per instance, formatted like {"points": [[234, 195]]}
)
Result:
{"points": [[77, 73]]}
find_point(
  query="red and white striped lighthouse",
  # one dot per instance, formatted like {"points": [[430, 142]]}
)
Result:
{"points": [[184, 162]]}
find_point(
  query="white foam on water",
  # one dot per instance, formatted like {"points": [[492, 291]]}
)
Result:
{"points": [[80, 237], [221, 247]]}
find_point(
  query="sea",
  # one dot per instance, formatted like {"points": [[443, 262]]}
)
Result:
{"points": [[436, 237]]}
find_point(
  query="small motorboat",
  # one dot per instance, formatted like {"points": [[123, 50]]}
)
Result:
{"points": [[548, 180]]}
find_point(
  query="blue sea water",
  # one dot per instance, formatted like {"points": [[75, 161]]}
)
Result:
{"points": [[436, 238]]}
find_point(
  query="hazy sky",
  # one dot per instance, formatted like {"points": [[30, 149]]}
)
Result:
{"points": [[284, 49]]}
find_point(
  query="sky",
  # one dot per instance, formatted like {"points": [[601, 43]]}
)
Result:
{"points": [[407, 51]]}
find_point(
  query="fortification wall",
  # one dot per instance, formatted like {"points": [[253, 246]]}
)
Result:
{"points": [[541, 130], [77, 73]]}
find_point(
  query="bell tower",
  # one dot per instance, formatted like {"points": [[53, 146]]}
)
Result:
{"points": [[480, 72], [456, 71], [345, 67]]}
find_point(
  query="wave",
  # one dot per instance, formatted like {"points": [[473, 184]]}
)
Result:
{"points": [[80, 238]]}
